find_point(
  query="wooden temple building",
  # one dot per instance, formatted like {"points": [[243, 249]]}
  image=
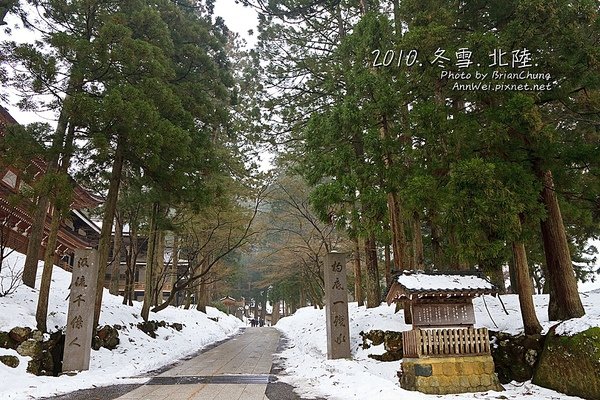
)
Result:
{"points": [[77, 231], [443, 353]]}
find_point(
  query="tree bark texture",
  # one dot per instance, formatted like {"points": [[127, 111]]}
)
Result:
{"points": [[58, 211], [373, 287], [41, 313], [418, 252], [188, 299], [35, 241], [115, 264], [107, 224], [358, 292], [530, 321], [203, 295], [39, 216], [203, 289], [388, 265], [398, 235], [275, 313], [131, 260], [174, 262], [150, 261], [160, 273], [565, 302], [436, 242]]}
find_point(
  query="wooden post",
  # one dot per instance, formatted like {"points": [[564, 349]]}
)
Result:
{"points": [[336, 300], [80, 317]]}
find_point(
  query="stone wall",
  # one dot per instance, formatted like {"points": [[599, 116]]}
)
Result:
{"points": [[447, 375], [515, 357]]}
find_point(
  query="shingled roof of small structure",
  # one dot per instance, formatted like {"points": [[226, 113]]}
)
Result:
{"points": [[419, 284]]}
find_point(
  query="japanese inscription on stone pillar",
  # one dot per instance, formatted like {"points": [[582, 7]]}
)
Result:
{"points": [[336, 301], [80, 318]]}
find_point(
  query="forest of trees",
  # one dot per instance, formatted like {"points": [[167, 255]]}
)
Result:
{"points": [[428, 176], [162, 111]]}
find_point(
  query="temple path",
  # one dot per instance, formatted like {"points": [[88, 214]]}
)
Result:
{"points": [[237, 369]]}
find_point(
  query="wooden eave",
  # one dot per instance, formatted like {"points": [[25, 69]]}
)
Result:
{"points": [[398, 292], [17, 214], [82, 197], [5, 117]]}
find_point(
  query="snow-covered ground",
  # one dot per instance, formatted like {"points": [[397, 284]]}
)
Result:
{"points": [[307, 367], [137, 352]]}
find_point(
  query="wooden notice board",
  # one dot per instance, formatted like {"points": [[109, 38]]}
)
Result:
{"points": [[443, 314]]}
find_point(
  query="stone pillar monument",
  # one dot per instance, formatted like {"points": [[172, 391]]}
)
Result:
{"points": [[336, 306], [80, 318]]}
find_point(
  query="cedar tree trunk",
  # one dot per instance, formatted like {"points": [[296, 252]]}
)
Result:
{"points": [[58, 208], [530, 321], [110, 208], [358, 292], [150, 260], [373, 288], [565, 302], [418, 253], [115, 264]]}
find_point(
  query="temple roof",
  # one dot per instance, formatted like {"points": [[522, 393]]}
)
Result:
{"points": [[419, 284], [5, 116], [83, 198]]}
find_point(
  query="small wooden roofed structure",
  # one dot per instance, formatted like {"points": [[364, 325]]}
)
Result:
{"points": [[443, 353], [438, 299], [228, 301], [420, 285], [440, 308]]}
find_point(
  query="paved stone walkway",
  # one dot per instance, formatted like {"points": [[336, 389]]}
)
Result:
{"points": [[238, 369]]}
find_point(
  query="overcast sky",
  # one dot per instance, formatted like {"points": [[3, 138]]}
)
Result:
{"points": [[238, 18]]}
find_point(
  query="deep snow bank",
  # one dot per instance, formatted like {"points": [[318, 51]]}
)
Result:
{"points": [[307, 366], [137, 352]]}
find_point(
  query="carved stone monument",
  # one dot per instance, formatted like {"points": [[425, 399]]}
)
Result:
{"points": [[80, 318], [336, 304]]}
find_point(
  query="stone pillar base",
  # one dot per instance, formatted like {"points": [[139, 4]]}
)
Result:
{"points": [[448, 375]]}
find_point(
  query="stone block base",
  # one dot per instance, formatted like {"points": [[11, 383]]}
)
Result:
{"points": [[447, 375]]}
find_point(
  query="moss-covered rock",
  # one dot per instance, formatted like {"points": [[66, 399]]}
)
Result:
{"points": [[107, 337], [375, 337], [20, 334], [37, 335], [391, 340], [10, 361], [571, 364], [515, 357], [30, 348], [46, 355], [6, 342]]}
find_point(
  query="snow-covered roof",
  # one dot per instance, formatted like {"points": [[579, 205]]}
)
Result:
{"points": [[422, 281], [90, 222], [422, 284]]}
